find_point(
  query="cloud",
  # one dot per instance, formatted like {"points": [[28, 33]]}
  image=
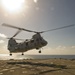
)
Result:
{"points": [[1, 41], [5, 47], [73, 47], [60, 48], [3, 35]]}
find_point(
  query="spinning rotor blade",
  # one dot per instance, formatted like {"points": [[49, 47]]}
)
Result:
{"points": [[16, 39], [7, 25], [16, 33], [58, 28]]}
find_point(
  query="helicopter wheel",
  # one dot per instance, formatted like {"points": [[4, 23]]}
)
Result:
{"points": [[40, 51], [10, 54], [22, 54]]}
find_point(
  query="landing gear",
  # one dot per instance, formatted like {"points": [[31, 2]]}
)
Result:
{"points": [[40, 51], [10, 54], [22, 53]]}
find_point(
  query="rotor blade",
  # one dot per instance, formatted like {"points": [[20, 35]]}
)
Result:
{"points": [[7, 25], [58, 28], [16, 39], [16, 33]]}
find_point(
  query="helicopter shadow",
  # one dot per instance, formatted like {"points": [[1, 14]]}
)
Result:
{"points": [[34, 66]]}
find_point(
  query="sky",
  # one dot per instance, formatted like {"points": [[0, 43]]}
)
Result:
{"points": [[41, 15]]}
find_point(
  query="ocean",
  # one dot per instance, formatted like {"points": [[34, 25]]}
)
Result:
{"points": [[51, 56], [6, 56]]}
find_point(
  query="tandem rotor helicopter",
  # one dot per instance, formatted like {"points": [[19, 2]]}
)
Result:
{"points": [[36, 42]]}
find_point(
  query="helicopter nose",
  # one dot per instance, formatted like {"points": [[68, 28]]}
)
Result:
{"points": [[45, 43]]}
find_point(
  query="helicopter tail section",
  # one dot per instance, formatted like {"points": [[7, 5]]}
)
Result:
{"points": [[12, 44]]}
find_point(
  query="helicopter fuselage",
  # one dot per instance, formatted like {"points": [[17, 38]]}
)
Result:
{"points": [[36, 42]]}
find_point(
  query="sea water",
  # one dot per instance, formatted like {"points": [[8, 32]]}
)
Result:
{"points": [[4, 57], [47, 56]]}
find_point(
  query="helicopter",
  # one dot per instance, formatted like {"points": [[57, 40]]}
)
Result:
{"points": [[36, 42]]}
